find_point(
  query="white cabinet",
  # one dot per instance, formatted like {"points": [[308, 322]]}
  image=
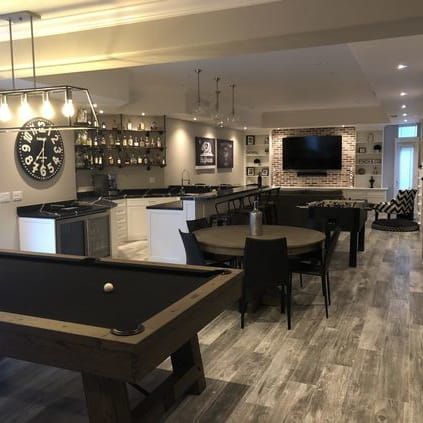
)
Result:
{"points": [[118, 226], [372, 195], [137, 215], [37, 235]]}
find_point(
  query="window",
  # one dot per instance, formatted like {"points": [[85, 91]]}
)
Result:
{"points": [[407, 131], [406, 167]]}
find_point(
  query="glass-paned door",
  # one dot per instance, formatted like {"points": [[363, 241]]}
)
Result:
{"points": [[406, 161]]}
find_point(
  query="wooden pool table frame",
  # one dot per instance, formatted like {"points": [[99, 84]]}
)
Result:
{"points": [[107, 362]]}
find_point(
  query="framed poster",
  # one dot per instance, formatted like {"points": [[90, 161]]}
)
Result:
{"points": [[250, 139], [265, 171], [205, 153], [251, 171], [225, 154]]}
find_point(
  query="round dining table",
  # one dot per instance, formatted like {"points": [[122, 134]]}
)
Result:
{"points": [[230, 240]]}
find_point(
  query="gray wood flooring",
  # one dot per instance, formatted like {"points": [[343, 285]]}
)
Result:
{"points": [[363, 364]]}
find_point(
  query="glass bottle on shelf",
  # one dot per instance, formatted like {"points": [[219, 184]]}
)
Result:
{"points": [[103, 125], [141, 126], [133, 160], [124, 141], [152, 142], [142, 142], [139, 159], [159, 142], [130, 141], [78, 139], [119, 160], [111, 160], [145, 160], [136, 142], [154, 125], [89, 141], [117, 142], [95, 142], [84, 137], [111, 140], [129, 125], [147, 140], [103, 140]]}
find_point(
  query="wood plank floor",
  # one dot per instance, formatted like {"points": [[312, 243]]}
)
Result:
{"points": [[363, 364]]}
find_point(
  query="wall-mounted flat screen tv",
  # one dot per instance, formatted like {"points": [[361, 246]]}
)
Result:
{"points": [[312, 152]]}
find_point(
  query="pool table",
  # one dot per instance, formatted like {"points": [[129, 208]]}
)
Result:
{"points": [[54, 310]]}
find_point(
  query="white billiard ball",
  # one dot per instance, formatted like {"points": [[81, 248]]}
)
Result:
{"points": [[108, 287]]}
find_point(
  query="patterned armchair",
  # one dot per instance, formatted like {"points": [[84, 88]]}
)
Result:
{"points": [[402, 205]]}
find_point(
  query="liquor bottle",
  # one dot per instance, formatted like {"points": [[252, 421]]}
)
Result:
{"points": [[130, 141], [95, 142], [103, 140], [145, 160], [78, 139], [142, 142], [129, 125], [111, 140], [117, 142], [154, 125], [152, 142], [118, 160], [139, 159], [111, 160], [100, 160], [136, 142], [124, 141], [147, 140], [133, 160], [103, 125], [159, 142], [95, 160]]}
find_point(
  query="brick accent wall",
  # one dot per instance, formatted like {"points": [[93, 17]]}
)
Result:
{"points": [[335, 178]]}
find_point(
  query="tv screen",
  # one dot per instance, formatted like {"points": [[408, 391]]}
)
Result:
{"points": [[312, 152]]}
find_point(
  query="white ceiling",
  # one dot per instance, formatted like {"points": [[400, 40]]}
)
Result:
{"points": [[334, 64]]}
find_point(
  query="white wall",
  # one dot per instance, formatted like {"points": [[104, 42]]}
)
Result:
{"points": [[12, 178], [181, 153]]}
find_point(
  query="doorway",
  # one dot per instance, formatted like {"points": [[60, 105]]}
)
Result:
{"points": [[406, 163]]}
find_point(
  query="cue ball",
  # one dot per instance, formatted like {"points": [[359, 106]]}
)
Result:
{"points": [[108, 287]]}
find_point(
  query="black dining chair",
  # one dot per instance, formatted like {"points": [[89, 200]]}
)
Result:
{"points": [[194, 255], [266, 266], [319, 266], [196, 224]]}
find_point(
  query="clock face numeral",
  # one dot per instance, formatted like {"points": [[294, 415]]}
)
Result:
{"points": [[40, 149]]}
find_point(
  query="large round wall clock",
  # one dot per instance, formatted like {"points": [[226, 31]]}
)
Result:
{"points": [[40, 149]]}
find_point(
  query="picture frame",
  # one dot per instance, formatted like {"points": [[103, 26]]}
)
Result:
{"points": [[265, 171], [225, 154], [251, 171], [250, 139], [362, 149], [205, 153]]}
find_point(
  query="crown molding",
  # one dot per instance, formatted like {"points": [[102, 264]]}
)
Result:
{"points": [[110, 15]]}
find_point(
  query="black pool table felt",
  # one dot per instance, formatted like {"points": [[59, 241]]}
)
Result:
{"points": [[72, 291]]}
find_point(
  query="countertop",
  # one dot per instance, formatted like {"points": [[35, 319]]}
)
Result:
{"points": [[173, 205], [70, 209]]}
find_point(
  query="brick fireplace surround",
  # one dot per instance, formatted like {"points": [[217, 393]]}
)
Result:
{"points": [[334, 178]]}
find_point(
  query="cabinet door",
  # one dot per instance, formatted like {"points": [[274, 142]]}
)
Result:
{"points": [[137, 222]]}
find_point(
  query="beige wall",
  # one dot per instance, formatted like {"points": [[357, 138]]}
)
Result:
{"points": [[12, 178], [181, 153]]}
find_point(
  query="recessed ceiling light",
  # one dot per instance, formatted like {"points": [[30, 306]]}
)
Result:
{"points": [[95, 105], [405, 120], [403, 93], [404, 106], [404, 114], [343, 126], [101, 112], [245, 128], [402, 66], [143, 114], [194, 118], [279, 129]]}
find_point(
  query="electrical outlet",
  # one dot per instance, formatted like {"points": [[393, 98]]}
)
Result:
{"points": [[17, 195], [4, 197], [152, 179]]}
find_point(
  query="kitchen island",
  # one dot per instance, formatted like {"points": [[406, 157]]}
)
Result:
{"points": [[165, 220]]}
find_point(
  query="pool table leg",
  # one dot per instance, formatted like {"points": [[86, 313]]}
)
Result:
{"points": [[353, 248], [107, 400], [187, 357]]}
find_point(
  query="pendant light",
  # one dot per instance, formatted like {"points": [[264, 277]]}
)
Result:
{"points": [[233, 117], [61, 92], [198, 109], [218, 118]]}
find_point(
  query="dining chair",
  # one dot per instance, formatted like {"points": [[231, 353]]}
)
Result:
{"points": [[266, 266], [318, 266], [196, 224]]}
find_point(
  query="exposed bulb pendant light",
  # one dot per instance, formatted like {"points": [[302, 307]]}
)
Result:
{"points": [[25, 110], [5, 114], [68, 108], [198, 109], [47, 110], [233, 118], [27, 95], [217, 116]]}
